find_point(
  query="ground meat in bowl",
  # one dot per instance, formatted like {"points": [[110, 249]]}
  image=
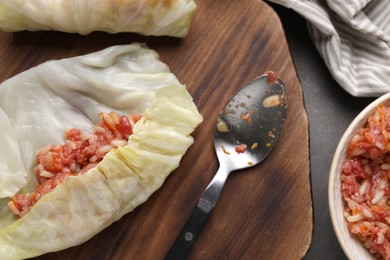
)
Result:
{"points": [[365, 184]]}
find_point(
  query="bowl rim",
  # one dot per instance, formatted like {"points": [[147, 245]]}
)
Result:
{"points": [[355, 124]]}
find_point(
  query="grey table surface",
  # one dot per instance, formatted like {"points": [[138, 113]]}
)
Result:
{"points": [[330, 110]]}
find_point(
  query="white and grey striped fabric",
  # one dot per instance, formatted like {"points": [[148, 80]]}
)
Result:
{"points": [[353, 38]]}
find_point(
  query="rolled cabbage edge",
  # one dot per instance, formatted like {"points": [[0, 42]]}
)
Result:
{"points": [[84, 205], [147, 17]]}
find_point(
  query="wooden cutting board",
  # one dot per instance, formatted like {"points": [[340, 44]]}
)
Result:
{"points": [[264, 212]]}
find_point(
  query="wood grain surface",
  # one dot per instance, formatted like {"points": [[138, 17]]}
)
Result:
{"points": [[264, 212]]}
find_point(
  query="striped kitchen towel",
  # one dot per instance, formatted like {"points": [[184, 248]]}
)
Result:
{"points": [[353, 38]]}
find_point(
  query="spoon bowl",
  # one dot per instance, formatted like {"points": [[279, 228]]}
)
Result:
{"points": [[246, 131], [250, 123]]}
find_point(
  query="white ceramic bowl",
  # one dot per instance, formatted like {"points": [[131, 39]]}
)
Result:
{"points": [[352, 247]]}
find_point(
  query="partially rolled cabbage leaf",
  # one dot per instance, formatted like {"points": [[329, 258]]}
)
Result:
{"points": [[148, 17], [37, 106]]}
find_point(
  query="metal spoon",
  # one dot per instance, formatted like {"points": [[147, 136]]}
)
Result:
{"points": [[246, 131]]}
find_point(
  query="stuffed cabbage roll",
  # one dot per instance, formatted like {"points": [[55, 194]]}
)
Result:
{"points": [[147, 17], [39, 105]]}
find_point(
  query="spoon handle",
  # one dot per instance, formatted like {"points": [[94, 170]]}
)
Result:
{"points": [[184, 242], [190, 232]]}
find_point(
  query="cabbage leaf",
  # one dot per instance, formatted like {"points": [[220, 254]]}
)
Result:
{"points": [[147, 17], [38, 105]]}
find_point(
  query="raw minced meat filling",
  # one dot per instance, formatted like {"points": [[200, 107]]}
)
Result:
{"points": [[365, 184], [76, 156]]}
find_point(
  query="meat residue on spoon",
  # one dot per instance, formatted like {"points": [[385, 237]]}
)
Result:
{"points": [[248, 116], [272, 77], [241, 148]]}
